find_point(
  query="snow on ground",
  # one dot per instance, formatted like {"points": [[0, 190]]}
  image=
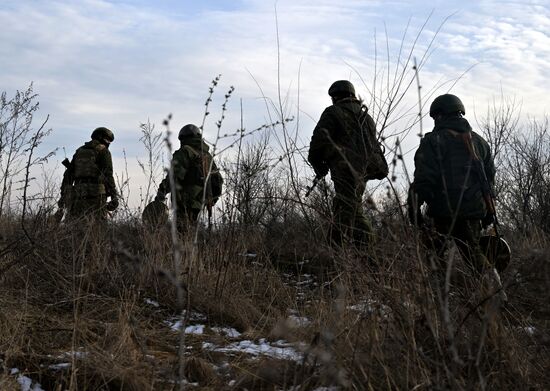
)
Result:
{"points": [[60, 366], [26, 382], [280, 349], [175, 323], [229, 332], [197, 329], [151, 302], [77, 355]]}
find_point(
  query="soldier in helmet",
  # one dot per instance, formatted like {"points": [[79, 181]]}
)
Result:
{"points": [[193, 169], [338, 146], [447, 180], [88, 181]]}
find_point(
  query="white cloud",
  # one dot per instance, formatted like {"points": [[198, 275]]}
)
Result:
{"points": [[117, 64]]}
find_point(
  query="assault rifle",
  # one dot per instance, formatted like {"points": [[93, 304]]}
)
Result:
{"points": [[479, 169], [66, 184], [66, 190]]}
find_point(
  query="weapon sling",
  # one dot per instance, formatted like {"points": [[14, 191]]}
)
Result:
{"points": [[486, 189]]}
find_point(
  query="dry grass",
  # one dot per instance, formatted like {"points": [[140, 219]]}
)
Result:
{"points": [[79, 297]]}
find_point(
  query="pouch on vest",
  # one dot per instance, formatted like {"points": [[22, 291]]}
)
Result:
{"points": [[364, 152], [202, 163], [86, 173], [84, 163]]}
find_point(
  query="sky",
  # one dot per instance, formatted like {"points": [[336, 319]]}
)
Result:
{"points": [[121, 63]]}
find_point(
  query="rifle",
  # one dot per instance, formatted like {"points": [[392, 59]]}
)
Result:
{"points": [[315, 182], [486, 188], [66, 184]]}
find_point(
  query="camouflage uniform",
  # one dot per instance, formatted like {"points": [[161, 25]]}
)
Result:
{"points": [[334, 146], [446, 180], [93, 182], [190, 163]]}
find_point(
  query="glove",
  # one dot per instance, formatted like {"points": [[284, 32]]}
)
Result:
{"points": [[321, 171], [112, 205], [487, 220]]}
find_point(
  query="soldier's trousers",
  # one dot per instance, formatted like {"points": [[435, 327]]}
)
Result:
{"points": [[466, 234], [89, 207], [187, 218], [350, 223]]}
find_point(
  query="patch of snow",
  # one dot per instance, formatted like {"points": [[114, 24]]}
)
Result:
{"points": [[175, 322], [530, 330], [77, 355], [26, 383], [60, 366], [280, 349], [191, 329], [227, 331], [197, 329], [14, 371], [151, 302], [231, 383]]}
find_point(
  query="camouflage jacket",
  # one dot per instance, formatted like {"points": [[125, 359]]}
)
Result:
{"points": [[189, 173], [92, 171], [444, 175], [337, 143]]}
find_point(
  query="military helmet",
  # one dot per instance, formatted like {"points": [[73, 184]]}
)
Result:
{"points": [[497, 251], [446, 104], [103, 134], [341, 88], [189, 130], [155, 214]]}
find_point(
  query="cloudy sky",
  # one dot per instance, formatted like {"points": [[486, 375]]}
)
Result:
{"points": [[120, 63]]}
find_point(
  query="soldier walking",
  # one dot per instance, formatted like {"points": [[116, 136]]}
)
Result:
{"points": [[453, 166], [344, 142], [88, 180], [193, 169]]}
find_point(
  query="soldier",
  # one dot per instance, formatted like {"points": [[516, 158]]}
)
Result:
{"points": [[451, 164], [88, 180], [192, 164], [343, 142]]}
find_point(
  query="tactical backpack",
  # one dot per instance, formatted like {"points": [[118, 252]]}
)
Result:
{"points": [[364, 151], [86, 173], [199, 172]]}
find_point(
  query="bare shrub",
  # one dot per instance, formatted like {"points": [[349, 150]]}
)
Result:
{"points": [[18, 143], [526, 173]]}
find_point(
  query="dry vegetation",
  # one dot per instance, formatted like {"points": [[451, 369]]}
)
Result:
{"points": [[79, 311], [93, 307]]}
